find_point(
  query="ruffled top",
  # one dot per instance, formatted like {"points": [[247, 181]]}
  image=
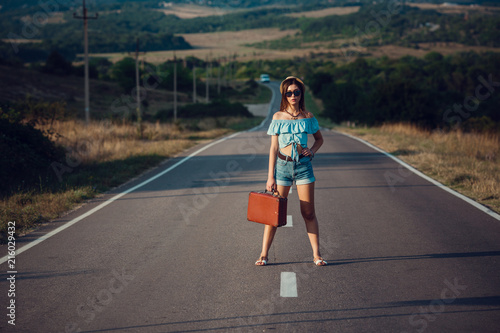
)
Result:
{"points": [[294, 132]]}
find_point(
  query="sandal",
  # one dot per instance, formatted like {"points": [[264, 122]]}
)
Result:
{"points": [[261, 262], [318, 261]]}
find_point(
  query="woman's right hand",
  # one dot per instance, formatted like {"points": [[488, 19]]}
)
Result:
{"points": [[271, 185]]}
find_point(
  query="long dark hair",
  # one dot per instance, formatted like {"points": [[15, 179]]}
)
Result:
{"points": [[284, 88]]}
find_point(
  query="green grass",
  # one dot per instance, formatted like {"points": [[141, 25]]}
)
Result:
{"points": [[264, 96], [246, 124], [261, 95]]}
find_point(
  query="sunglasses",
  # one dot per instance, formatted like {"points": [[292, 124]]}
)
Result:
{"points": [[296, 92]]}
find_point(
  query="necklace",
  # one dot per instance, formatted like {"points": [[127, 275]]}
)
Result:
{"points": [[294, 117]]}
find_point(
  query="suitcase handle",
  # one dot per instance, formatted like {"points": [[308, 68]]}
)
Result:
{"points": [[275, 193]]}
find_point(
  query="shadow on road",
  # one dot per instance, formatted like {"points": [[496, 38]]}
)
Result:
{"points": [[417, 257], [318, 316]]}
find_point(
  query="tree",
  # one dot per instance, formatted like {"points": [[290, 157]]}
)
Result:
{"points": [[57, 64], [342, 101], [123, 72]]}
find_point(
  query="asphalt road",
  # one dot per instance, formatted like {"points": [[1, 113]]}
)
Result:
{"points": [[177, 254]]}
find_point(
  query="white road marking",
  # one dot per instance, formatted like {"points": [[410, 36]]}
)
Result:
{"points": [[288, 284], [429, 179], [289, 221], [116, 197]]}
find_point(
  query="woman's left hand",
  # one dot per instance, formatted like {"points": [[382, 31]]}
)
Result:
{"points": [[307, 152]]}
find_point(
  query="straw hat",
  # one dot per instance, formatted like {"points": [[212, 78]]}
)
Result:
{"points": [[289, 78]]}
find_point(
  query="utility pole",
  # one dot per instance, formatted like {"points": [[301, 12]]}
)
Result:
{"points": [[233, 68], [138, 88], [86, 46], [230, 64], [207, 83], [225, 71], [218, 75], [175, 88], [194, 83], [211, 71]]}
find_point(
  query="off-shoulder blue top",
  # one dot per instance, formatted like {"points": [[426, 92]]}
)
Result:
{"points": [[293, 132]]}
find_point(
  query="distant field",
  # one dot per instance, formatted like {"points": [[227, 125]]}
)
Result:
{"points": [[52, 18], [230, 43], [393, 51], [19, 41], [327, 12], [226, 39], [454, 9], [192, 11], [223, 44], [236, 43]]}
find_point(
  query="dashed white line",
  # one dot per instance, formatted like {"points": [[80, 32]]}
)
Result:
{"points": [[288, 284], [289, 221]]}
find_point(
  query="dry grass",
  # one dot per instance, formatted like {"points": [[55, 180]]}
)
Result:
{"points": [[467, 162], [105, 141], [100, 156]]}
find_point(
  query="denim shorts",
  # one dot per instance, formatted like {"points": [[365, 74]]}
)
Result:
{"points": [[288, 171]]}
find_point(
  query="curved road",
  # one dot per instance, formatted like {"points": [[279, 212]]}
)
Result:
{"points": [[176, 253]]}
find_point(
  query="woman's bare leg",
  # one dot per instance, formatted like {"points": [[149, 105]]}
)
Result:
{"points": [[270, 231], [306, 197]]}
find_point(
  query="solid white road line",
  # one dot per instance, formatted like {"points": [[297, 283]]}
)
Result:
{"points": [[288, 284], [104, 204], [429, 179], [289, 221]]}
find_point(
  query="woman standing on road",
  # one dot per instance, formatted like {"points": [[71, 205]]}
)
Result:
{"points": [[290, 160]]}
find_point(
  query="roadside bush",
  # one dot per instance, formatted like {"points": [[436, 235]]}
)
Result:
{"points": [[35, 113], [480, 125], [26, 156]]}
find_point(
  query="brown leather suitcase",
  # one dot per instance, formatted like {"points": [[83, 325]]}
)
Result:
{"points": [[267, 208]]}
